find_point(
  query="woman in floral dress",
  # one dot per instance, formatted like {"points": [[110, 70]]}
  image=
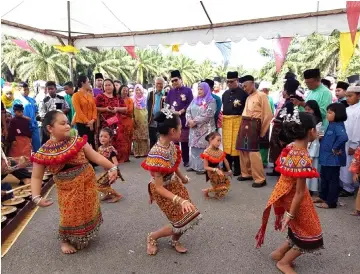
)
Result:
{"points": [[200, 119]]}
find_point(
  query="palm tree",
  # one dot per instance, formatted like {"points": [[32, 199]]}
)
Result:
{"points": [[206, 70], [45, 63], [221, 71], [187, 68], [90, 62], [125, 65], [146, 66]]}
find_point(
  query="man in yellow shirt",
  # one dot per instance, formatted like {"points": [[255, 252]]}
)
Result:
{"points": [[256, 119]]}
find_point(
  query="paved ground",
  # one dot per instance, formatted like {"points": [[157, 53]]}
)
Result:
{"points": [[222, 243]]}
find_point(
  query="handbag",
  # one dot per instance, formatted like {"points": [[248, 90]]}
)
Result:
{"points": [[112, 120]]}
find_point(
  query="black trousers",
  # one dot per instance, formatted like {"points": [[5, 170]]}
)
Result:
{"points": [[153, 136], [85, 130], [184, 152], [234, 162], [330, 185]]}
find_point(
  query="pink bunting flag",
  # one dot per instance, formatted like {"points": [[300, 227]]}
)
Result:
{"points": [[131, 51], [281, 47], [353, 12], [24, 45]]}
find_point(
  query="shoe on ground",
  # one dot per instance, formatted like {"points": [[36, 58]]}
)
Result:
{"points": [[189, 169], [200, 172], [186, 165], [240, 178], [255, 185], [345, 193]]}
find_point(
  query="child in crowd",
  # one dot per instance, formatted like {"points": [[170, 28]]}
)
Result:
{"points": [[332, 156], [355, 169], [19, 135], [212, 157], [291, 199], [340, 92], [109, 152], [313, 108], [352, 126]]}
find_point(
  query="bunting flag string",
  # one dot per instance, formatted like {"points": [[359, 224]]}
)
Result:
{"points": [[225, 49], [347, 48], [131, 51], [281, 47], [353, 13], [23, 44], [68, 48]]}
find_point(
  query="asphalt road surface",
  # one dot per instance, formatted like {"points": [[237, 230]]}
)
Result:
{"points": [[222, 243]]}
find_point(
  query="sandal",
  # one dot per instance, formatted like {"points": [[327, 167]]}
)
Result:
{"points": [[322, 205], [178, 246], [151, 244], [317, 200], [355, 213]]}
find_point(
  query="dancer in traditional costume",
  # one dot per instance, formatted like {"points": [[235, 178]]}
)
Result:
{"points": [[109, 152], [212, 157], [233, 101], [352, 124], [255, 123], [291, 199], [67, 158], [167, 183], [355, 170]]}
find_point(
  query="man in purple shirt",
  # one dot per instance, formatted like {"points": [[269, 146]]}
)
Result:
{"points": [[180, 98], [99, 80]]}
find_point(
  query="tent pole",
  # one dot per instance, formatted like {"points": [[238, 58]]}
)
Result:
{"points": [[70, 42]]}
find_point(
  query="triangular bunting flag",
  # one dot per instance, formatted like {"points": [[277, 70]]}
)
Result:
{"points": [[131, 51], [353, 12], [67, 48], [347, 48], [280, 49], [225, 49], [175, 48], [24, 45]]}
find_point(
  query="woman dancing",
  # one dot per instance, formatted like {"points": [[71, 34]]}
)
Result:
{"points": [[166, 186], [291, 197], [212, 157], [68, 159]]}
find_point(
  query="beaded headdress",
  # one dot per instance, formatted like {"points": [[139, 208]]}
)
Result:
{"points": [[168, 111], [291, 118]]}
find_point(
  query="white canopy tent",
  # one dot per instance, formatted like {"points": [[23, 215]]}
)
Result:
{"points": [[139, 23]]}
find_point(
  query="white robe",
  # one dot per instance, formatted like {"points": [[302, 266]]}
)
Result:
{"points": [[352, 126]]}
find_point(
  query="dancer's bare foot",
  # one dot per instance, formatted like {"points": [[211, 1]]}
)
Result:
{"points": [[178, 246], [115, 199], [105, 197], [152, 248], [285, 268], [205, 193], [67, 248]]}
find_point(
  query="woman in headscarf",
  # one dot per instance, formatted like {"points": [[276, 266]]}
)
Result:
{"points": [[141, 133], [125, 128], [7, 98], [200, 119]]}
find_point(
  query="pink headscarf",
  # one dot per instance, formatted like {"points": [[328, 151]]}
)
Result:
{"points": [[139, 100]]}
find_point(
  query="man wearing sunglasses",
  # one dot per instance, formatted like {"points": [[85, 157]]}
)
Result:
{"points": [[233, 101], [180, 98]]}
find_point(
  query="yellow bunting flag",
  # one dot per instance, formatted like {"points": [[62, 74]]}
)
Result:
{"points": [[175, 48], [347, 48], [67, 48]]}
